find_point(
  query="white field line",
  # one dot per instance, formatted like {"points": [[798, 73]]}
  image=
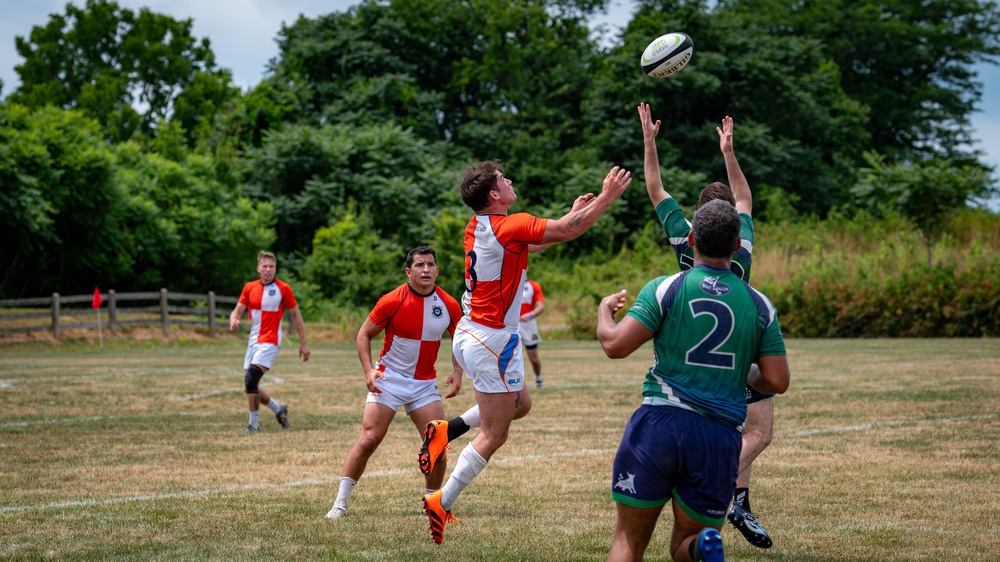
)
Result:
{"points": [[248, 487], [878, 425]]}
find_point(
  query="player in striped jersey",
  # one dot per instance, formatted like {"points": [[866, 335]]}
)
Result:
{"points": [[414, 316], [266, 301], [532, 306], [683, 443], [486, 342], [760, 406]]}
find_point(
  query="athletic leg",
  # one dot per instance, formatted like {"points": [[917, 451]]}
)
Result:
{"points": [[633, 531]]}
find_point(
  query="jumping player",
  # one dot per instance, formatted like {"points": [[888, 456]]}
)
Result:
{"points": [[486, 343], [683, 443], [760, 405]]}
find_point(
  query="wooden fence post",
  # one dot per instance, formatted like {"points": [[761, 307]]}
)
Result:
{"points": [[112, 311], [55, 315], [164, 315], [211, 314]]}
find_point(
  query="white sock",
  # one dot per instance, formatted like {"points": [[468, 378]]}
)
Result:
{"points": [[471, 416], [470, 463], [253, 418], [346, 487], [274, 406]]}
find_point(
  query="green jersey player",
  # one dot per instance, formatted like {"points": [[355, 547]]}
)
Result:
{"points": [[683, 443]]}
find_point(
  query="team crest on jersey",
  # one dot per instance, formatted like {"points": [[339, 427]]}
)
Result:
{"points": [[626, 484], [271, 292], [712, 286], [437, 311]]}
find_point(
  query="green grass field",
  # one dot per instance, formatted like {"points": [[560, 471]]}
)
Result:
{"points": [[884, 450]]}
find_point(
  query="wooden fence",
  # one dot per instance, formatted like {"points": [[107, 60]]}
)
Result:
{"points": [[116, 316]]}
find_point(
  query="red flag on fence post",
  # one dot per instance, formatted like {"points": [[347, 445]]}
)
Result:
{"points": [[97, 299]]}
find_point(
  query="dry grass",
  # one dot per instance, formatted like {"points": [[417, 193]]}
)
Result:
{"points": [[884, 450]]}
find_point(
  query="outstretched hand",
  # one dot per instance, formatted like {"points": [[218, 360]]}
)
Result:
{"points": [[726, 135], [649, 129], [616, 181]]}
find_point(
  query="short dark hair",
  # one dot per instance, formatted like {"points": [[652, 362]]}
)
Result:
{"points": [[713, 191], [477, 181], [716, 229], [419, 251]]}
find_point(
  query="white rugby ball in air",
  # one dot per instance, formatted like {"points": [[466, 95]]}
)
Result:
{"points": [[667, 54]]}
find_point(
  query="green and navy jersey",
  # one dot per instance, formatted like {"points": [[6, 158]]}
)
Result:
{"points": [[708, 327], [677, 227]]}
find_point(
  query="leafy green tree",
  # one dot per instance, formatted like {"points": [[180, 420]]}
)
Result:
{"points": [[351, 263], [127, 69], [910, 64], [186, 230], [796, 128], [929, 194], [308, 173], [62, 207]]}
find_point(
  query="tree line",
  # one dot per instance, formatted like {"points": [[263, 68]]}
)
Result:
{"points": [[128, 158]]}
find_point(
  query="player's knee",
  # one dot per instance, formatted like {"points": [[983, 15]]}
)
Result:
{"points": [[251, 378]]}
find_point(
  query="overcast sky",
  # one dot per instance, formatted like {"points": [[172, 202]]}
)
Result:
{"points": [[242, 34]]}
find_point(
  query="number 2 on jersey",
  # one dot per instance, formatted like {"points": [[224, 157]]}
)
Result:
{"points": [[707, 353]]}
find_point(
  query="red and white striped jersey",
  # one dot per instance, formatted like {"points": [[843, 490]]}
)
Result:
{"points": [[496, 265], [266, 305], [413, 325], [530, 294]]}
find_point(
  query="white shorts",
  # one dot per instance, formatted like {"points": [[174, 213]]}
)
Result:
{"points": [[529, 332], [491, 358], [262, 354], [399, 390]]}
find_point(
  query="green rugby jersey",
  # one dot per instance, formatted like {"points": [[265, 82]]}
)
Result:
{"points": [[677, 227], [708, 327]]}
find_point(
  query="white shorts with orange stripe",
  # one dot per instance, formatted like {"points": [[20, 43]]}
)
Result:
{"points": [[491, 358]]}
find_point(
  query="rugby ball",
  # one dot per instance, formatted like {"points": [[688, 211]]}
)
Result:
{"points": [[667, 54]]}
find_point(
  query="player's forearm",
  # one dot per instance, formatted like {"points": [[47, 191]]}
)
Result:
{"points": [[738, 183], [651, 168], [365, 353]]}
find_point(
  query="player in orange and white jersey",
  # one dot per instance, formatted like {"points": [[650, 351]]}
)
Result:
{"points": [[486, 343], [414, 316], [266, 301], [532, 306]]}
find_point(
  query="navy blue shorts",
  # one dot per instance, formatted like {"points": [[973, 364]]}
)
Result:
{"points": [[669, 452], [754, 396]]}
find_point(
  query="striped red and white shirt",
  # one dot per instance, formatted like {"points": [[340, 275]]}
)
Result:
{"points": [[266, 305], [414, 324], [496, 265], [531, 294]]}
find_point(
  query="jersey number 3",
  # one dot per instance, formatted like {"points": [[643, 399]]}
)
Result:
{"points": [[706, 353], [471, 270]]}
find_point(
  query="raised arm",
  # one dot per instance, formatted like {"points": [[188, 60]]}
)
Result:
{"points": [[737, 181], [586, 210], [651, 160]]}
